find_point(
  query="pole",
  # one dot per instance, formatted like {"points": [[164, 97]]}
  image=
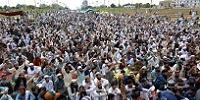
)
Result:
{"points": [[9, 3]]}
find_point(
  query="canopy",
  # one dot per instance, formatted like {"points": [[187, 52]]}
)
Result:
{"points": [[12, 13]]}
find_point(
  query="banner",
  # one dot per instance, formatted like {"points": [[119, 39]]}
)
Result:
{"points": [[12, 13]]}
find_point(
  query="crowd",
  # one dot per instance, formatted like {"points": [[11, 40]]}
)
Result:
{"points": [[98, 56]]}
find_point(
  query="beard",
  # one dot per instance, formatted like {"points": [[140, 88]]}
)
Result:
{"points": [[32, 69]]}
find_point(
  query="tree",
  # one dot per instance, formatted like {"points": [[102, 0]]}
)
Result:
{"points": [[31, 7], [147, 5], [113, 5], [138, 5], [5, 7]]}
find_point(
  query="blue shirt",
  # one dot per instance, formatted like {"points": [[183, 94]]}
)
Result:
{"points": [[168, 95]]}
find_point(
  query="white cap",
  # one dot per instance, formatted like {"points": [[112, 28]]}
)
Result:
{"points": [[144, 67], [164, 57], [73, 80], [106, 61], [95, 61], [97, 73], [46, 76], [59, 75], [31, 64], [157, 66], [79, 67]]}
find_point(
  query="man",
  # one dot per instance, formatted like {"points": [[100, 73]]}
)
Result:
{"points": [[48, 84], [67, 74], [42, 93], [103, 81], [129, 88], [5, 82], [155, 73], [146, 90], [20, 81], [60, 86], [161, 80], [25, 95], [169, 94], [115, 90], [81, 74], [31, 70]]}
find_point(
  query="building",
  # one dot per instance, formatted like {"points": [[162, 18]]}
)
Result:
{"points": [[181, 3], [167, 4], [192, 3]]}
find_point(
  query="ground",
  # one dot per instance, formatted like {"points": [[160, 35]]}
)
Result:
{"points": [[171, 13]]}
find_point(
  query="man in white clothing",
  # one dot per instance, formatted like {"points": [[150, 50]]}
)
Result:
{"points": [[115, 90], [48, 83]]}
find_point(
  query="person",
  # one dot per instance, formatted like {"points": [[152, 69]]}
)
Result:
{"points": [[20, 81], [129, 88], [72, 89], [169, 93], [67, 74], [111, 96], [146, 90], [191, 93], [32, 70], [82, 94], [155, 73], [104, 82], [48, 83], [161, 80], [60, 86], [25, 94], [5, 82], [81, 74], [99, 92], [42, 93], [115, 90]]}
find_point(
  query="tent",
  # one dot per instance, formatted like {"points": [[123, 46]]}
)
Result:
{"points": [[87, 11]]}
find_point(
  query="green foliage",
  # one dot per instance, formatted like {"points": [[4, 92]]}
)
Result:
{"points": [[113, 5], [30, 7]]}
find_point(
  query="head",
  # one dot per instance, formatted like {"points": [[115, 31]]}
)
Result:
{"points": [[34, 90], [87, 79], [46, 77], [165, 72], [80, 69], [111, 96], [144, 82], [129, 83], [98, 76], [177, 74], [3, 76], [21, 76], [59, 76], [22, 90], [192, 90], [67, 69], [114, 85], [43, 90]]}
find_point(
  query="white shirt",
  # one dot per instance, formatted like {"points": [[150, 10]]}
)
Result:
{"points": [[31, 72], [49, 86], [116, 92]]}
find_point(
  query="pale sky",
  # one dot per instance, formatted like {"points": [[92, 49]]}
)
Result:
{"points": [[73, 4]]}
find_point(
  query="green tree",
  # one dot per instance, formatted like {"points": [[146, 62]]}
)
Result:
{"points": [[147, 5], [113, 5], [30, 7]]}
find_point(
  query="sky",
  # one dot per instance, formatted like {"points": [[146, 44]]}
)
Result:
{"points": [[73, 4]]}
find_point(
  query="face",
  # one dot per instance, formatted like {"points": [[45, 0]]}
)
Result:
{"points": [[47, 79], [22, 92], [21, 76]]}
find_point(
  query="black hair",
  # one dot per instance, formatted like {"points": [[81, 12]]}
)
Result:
{"points": [[110, 96]]}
